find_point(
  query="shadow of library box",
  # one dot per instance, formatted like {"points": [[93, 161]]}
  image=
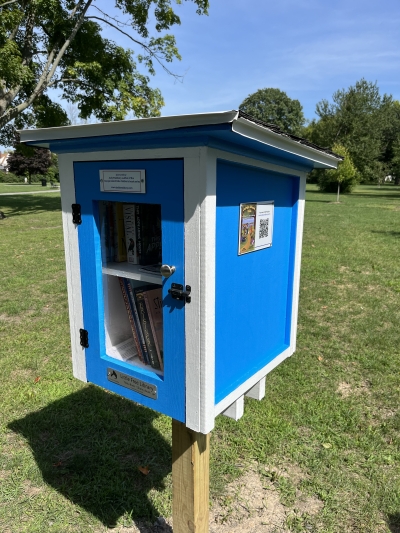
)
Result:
{"points": [[182, 241]]}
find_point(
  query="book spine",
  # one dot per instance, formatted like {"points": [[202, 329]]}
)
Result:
{"points": [[104, 233], [154, 297], [111, 236], [146, 328], [130, 316], [138, 224], [130, 233], [138, 323], [153, 329], [151, 234], [120, 233]]}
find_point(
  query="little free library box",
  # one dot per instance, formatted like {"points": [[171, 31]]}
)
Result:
{"points": [[182, 242]]}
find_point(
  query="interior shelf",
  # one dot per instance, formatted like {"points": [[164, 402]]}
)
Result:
{"points": [[128, 270]]}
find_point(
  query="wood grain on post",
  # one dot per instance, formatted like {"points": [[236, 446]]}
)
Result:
{"points": [[190, 479]]}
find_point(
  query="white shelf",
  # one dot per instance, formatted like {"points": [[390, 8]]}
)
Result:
{"points": [[127, 270]]}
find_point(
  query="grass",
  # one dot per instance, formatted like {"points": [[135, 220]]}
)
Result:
{"points": [[21, 187], [69, 452]]}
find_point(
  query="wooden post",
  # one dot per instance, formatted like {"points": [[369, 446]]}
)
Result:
{"points": [[190, 479]]}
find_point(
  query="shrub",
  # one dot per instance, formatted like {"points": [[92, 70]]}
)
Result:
{"points": [[342, 179], [9, 177]]}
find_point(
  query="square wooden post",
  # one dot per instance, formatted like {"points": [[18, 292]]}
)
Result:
{"points": [[190, 479]]}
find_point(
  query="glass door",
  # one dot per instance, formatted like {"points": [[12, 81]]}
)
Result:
{"points": [[132, 223]]}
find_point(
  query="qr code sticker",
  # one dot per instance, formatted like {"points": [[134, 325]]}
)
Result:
{"points": [[264, 227]]}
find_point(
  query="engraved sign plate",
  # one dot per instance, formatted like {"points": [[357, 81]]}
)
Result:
{"points": [[123, 181], [137, 385]]}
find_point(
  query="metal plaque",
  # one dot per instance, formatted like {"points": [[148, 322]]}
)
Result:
{"points": [[126, 181], [134, 384]]}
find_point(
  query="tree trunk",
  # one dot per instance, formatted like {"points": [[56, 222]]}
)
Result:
{"points": [[338, 192]]}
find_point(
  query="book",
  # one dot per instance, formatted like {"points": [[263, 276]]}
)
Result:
{"points": [[124, 351], [119, 233], [147, 329], [138, 227], [130, 233], [129, 309], [137, 319], [153, 299], [150, 215], [104, 233], [110, 229]]}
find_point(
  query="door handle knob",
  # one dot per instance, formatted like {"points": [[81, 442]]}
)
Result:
{"points": [[167, 270]]}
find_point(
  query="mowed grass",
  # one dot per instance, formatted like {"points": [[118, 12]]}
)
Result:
{"points": [[70, 452], [21, 187]]}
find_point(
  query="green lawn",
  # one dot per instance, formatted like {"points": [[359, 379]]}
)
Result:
{"points": [[23, 187], [69, 452]]}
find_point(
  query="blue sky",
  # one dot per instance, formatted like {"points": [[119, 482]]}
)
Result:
{"points": [[307, 48]]}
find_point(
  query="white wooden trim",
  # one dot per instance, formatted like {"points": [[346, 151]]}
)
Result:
{"points": [[257, 392], [72, 263], [297, 261], [200, 198], [258, 133], [249, 383], [192, 193], [131, 155], [236, 409], [120, 127]]}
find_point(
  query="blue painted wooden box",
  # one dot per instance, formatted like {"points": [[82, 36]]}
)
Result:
{"points": [[213, 177]]}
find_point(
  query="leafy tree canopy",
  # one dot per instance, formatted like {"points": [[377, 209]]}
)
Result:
{"points": [[275, 107], [59, 44], [363, 121], [27, 160]]}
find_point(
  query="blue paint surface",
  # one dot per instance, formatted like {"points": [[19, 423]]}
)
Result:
{"points": [[164, 185], [219, 136], [253, 291]]}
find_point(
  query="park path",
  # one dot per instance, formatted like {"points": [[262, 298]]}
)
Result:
{"points": [[31, 192]]}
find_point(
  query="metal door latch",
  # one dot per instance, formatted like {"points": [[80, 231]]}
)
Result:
{"points": [[76, 214], [177, 292]]}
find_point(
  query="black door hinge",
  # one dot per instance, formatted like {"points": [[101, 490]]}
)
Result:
{"points": [[84, 336], [177, 292], [76, 214]]}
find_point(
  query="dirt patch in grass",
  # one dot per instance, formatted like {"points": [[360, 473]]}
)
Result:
{"points": [[10, 319], [346, 389], [251, 504], [30, 490]]}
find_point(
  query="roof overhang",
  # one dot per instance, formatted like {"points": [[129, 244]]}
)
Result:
{"points": [[227, 129]]}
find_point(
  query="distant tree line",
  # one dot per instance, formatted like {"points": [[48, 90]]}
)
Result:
{"points": [[358, 122]]}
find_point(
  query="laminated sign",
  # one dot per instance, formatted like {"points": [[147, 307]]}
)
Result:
{"points": [[255, 226]]}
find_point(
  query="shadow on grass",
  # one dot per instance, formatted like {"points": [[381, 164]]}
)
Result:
{"points": [[29, 204], [394, 523], [89, 446], [321, 197], [376, 194], [392, 233]]}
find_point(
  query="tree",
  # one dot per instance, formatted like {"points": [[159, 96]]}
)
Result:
{"points": [[27, 160], [345, 174], [358, 118], [396, 161], [58, 44], [275, 107]]}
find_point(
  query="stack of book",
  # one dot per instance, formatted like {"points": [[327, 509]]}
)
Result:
{"points": [[144, 307], [130, 232]]}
